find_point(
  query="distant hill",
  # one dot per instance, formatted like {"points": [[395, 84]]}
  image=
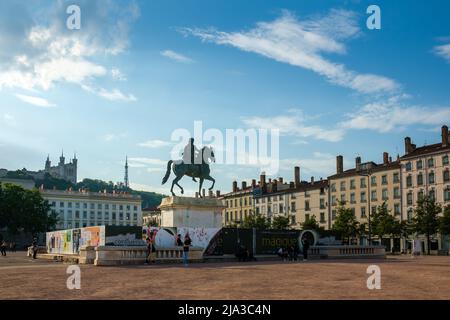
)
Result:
{"points": [[149, 199]]}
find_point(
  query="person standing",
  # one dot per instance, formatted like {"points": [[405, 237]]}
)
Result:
{"points": [[3, 248], [178, 241], [186, 245], [35, 247], [305, 249], [151, 250]]}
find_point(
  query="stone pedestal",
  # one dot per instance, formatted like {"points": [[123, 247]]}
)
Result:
{"points": [[191, 212]]}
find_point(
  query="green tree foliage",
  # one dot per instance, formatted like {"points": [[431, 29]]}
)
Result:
{"points": [[384, 223], [257, 221], [280, 223], [345, 224], [426, 218], [310, 224], [24, 210], [444, 225]]}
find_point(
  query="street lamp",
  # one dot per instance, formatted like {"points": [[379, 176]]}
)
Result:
{"points": [[368, 175]]}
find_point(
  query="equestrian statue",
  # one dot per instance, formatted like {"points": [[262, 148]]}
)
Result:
{"points": [[195, 164]]}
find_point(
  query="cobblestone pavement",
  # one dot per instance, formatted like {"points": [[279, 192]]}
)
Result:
{"points": [[402, 277]]}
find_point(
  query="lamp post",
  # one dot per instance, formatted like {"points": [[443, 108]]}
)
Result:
{"points": [[368, 175]]}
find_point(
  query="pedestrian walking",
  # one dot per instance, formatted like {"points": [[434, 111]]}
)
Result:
{"points": [[305, 249], [151, 250], [3, 248], [186, 245]]}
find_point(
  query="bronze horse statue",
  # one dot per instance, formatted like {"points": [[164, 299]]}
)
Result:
{"points": [[200, 171]]}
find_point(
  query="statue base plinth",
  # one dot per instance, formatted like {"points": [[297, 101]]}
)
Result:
{"points": [[191, 212]]}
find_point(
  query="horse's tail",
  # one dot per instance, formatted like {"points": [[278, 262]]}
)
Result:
{"points": [[166, 177]]}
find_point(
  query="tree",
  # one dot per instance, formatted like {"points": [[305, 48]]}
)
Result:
{"points": [[24, 210], [383, 223], [280, 223], [256, 220], [345, 224], [310, 223], [426, 219], [444, 223]]}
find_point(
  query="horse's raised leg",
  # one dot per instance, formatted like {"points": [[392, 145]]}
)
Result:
{"points": [[171, 189], [213, 181], [175, 181]]}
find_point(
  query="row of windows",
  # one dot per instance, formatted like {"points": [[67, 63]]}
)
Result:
{"points": [[100, 206], [71, 225], [431, 178], [430, 163], [362, 182], [246, 201], [363, 197], [431, 194], [363, 211], [92, 216]]}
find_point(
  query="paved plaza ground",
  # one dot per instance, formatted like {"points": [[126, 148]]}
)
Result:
{"points": [[402, 277]]}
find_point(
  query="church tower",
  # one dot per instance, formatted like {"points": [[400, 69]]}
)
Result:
{"points": [[126, 181], [48, 164]]}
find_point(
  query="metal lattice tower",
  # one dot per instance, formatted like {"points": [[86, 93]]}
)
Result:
{"points": [[126, 181]]}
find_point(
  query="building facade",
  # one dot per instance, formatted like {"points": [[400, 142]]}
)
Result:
{"points": [[425, 171], [78, 209], [365, 187], [238, 204], [65, 171]]}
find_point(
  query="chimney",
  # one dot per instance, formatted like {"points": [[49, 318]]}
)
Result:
{"points": [[253, 183], [358, 163], [275, 185], [234, 186], [291, 185], [385, 158], [297, 176], [218, 193], [339, 164], [444, 131], [244, 185], [262, 180], [210, 193], [281, 180], [408, 145]]}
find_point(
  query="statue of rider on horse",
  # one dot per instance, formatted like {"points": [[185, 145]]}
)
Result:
{"points": [[195, 164]]}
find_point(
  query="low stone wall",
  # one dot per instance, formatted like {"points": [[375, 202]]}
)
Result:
{"points": [[87, 255], [110, 255], [350, 252]]}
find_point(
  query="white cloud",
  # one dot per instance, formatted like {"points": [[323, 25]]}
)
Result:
{"points": [[113, 136], [176, 56], [118, 75], [155, 144], [48, 55], [443, 51], [148, 161], [40, 102], [111, 95], [294, 124], [301, 44], [151, 170], [389, 115]]}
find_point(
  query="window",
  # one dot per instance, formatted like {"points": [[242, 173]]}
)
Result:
{"points": [[444, 160], [373, 195], [420, 179], [397, 209], [281, 208], [430, 163], [446, 176], [409, 198], [397, 193], [384, 179], [342, 198], [363, 183], [333, 187], [77, 214], [431, 177], [84, 205], [92, 206], [106, 215], [363, 197], [92, 215], [352, 184], [396, 178], [374, 209], [420, 194], [69, 214], [333, 200], [114, 216], [293, 220], [322, 217], [333, 215], [114, 207], [322, 203], [53, 204], [293, 207], [363, 212], [106, 206], [447, 194], [373, 181], [408, 181], [128, 207], [408, 166], [84, 214], [69, 205], [280, 197], [384, 194], [306, 194], [342, 185], [410, 215], [307, 208], [128, 216], [306, 217], [77, 205], [432, 194], [121, 207], [121, 216], [419, 164], [352, 198]]}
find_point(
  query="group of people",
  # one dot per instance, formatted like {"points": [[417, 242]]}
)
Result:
{"points": [[151, 249], [291, 252], [4, 246], [243, 254]]}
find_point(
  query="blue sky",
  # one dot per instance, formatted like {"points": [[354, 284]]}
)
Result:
{"points": [[138, 70]]}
